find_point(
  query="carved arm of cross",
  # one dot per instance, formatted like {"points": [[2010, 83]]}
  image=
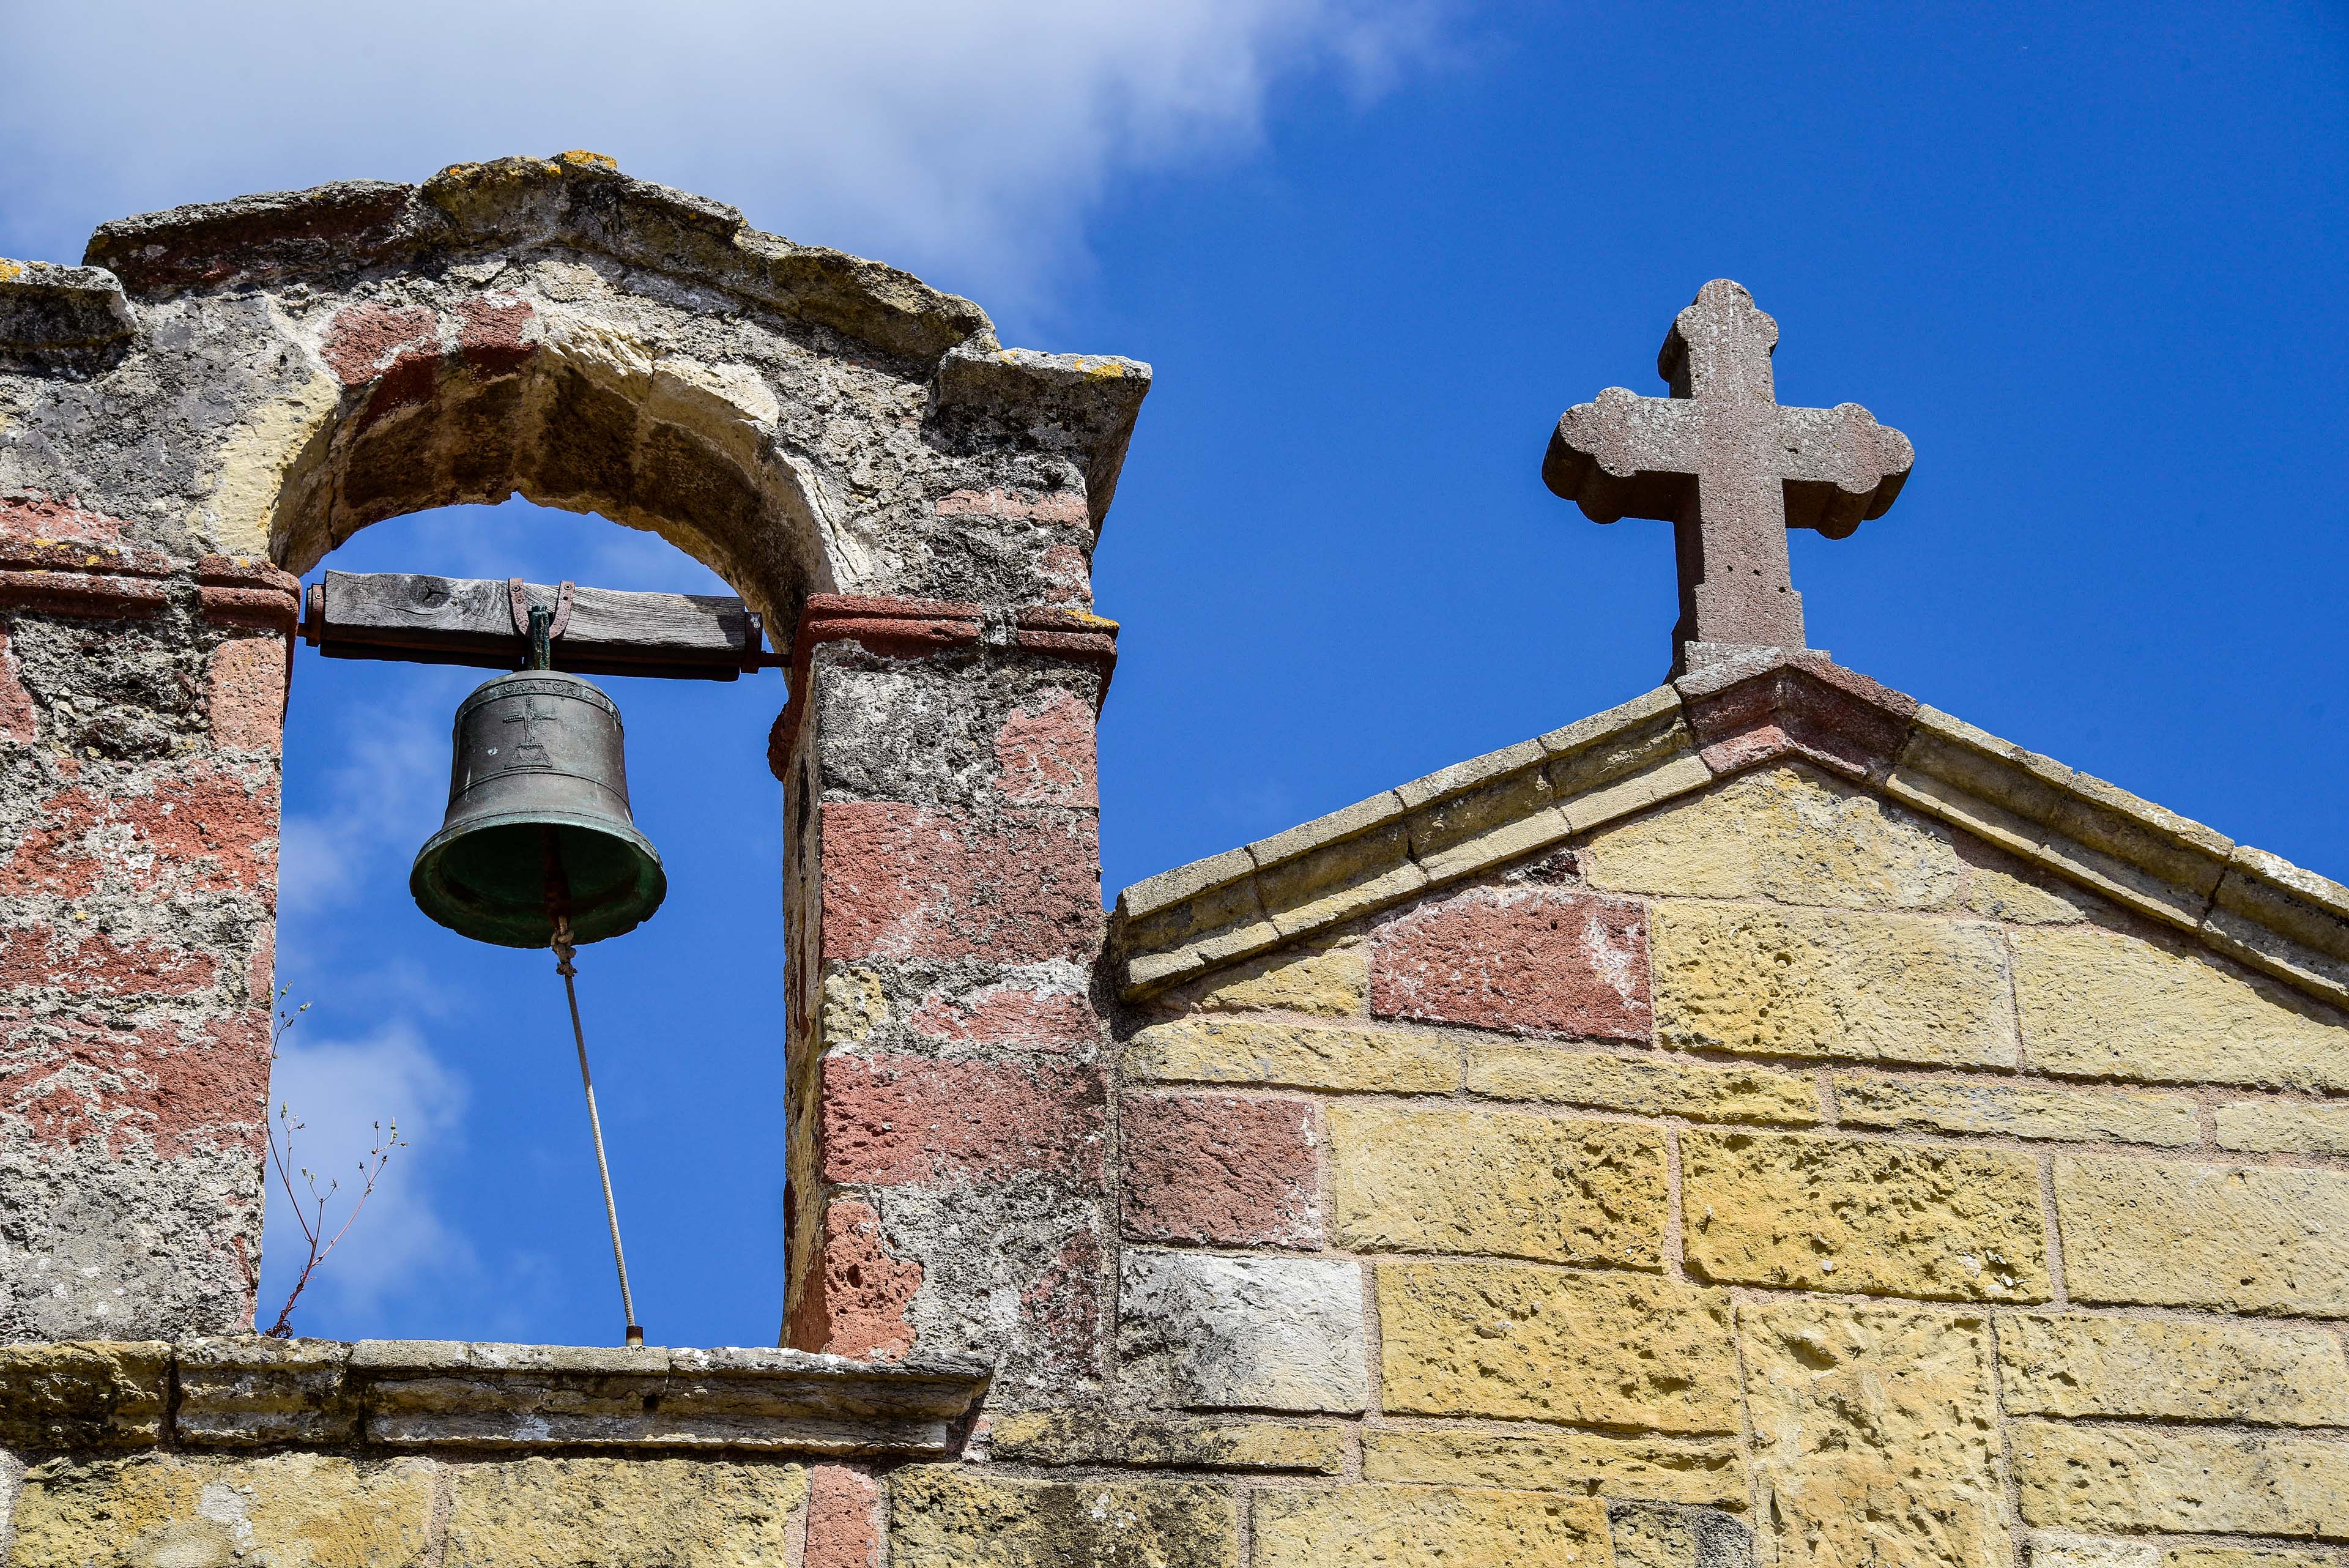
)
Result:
{"points": [[1730, 470]]}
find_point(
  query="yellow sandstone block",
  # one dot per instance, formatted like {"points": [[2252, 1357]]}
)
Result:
{"points": [[2099, 1004], [2055, 1549], [83, 1394], [853, 1003], [1852, 1214], [558, 1513], [1787, 835], [317, 1510], [1799, 982], [2015, 1109], [2256, 1238], [2000, 888], [1703, 1472], [949, 1516], [2284, 1127], [1429, 1527], [1655, 1084], [1294, 1056], [1333, 982], [1875, 1436], [1584, 1347], [2245, 1557], [1493, 1181], [2187, 1480], [2162, 1369]]}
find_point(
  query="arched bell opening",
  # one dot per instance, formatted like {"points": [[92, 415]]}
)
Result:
{"points": [[490, 1224], [457, 439], [577, 417]]}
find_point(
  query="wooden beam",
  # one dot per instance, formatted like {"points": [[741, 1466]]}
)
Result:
{"points": [[470, 621]]}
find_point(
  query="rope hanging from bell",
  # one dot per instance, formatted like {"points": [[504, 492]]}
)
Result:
{"points": [[562, 966], [558, 908]]}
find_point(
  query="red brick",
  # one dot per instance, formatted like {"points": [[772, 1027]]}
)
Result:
{"points": [[855, 1303], [1807, 706], [204, 829], [245, 694], [261, 968], [1060, 1315], [408, 382], [843, 1518], [45, 517], [906, 881], [19, 720], [1045, 756], [1008, 1015], [1530, 960], [76, 1080], [891, 1119], [362, 336], [1224, 1168], [1068, 570], [93, 965], [492, 335]]}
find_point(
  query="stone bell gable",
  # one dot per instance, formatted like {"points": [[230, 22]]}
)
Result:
{"points": [[227, 392], [1773, 1098]]}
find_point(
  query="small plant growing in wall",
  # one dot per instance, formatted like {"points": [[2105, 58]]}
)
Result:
{"points": [[309, 1206]]}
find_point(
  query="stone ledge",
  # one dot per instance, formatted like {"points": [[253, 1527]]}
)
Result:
{"points": [[408, 1395], [1757, 708], [913, 629], [78, 578], [44, 307]]}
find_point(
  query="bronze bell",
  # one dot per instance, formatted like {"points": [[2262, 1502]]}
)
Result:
{"points": [[538, 821]]}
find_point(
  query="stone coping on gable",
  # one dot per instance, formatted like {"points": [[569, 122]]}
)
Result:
{"points": [[1741, 713], [250, 1391]]}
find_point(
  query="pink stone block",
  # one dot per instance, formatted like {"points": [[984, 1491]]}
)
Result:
{"points": [[1224, 1169], [1532, 961], [908, 881], [887, 1120]]}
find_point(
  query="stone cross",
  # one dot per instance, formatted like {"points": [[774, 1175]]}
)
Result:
{"points": [[1730, 470]]}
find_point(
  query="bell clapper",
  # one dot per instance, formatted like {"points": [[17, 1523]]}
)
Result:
{"points": [[563, 949]]}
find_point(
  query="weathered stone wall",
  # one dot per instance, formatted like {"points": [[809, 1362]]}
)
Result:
{"points": [[950, 1151], [1775, 1152], [137, 892]]}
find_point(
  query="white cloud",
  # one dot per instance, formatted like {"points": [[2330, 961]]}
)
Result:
{"points": [[971, 141], [339, 1091]]}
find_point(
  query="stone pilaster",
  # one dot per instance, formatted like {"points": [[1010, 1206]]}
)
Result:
{"points": [[141, 702], [948, 1074]]}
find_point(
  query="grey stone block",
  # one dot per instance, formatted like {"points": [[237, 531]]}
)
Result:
{"points": [[1270, 1334]]}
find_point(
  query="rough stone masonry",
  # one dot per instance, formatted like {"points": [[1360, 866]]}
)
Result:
{"points": [[1770, 1123]]}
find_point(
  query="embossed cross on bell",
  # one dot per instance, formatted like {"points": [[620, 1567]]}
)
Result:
{"points": [[538, 825]]}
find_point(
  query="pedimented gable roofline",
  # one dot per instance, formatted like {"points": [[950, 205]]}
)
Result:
{"points": [[1477, 816]]}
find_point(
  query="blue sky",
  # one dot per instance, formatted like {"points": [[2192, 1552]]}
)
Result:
{"points": [[2088, 257]]}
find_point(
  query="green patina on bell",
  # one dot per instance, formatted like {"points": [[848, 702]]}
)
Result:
{"points": [[538, 819]]}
